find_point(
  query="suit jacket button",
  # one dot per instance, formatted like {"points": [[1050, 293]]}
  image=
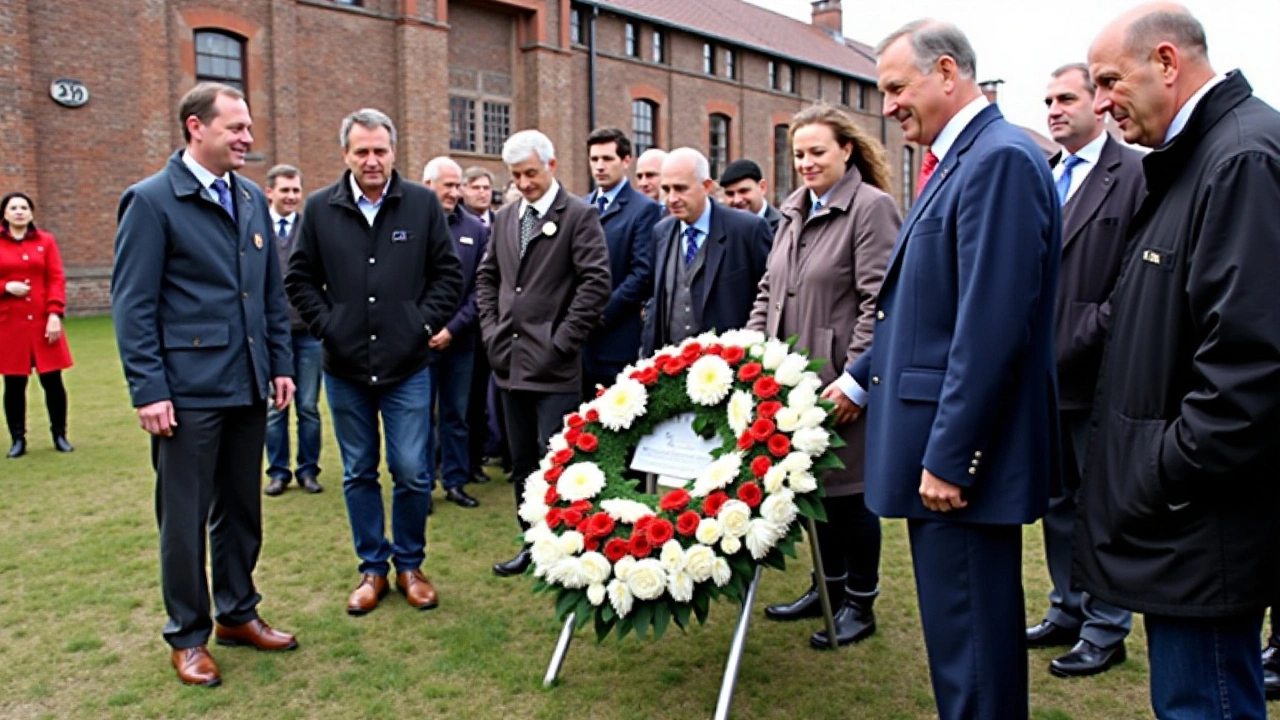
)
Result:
{"points": [[879, 314], [977, 453], [373, 378], [244, 295], [250, 341], [875, 379], [515, 336], [195, 341], [372, 298], [518, 290], [973, 471]]}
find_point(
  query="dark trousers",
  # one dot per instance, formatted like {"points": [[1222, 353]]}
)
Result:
{"points": [[532, 418], [15, 403], [1206, 669], [849, 542], [969, 589], [477, 411], [208, 486], [450, 392]]}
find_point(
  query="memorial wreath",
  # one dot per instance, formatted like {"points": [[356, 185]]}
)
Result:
{"points": [[631, 560]]}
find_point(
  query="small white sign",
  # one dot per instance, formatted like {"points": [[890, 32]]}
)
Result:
{"points": [[674, 450], [68, 93]]}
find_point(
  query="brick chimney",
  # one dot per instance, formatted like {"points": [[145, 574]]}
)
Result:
{"points": [[991, 88], [828, 16]]}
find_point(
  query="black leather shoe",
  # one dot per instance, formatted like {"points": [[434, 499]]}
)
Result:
{"points": [[1087, 659], [515, 566], [308, 483], [18, 449], [806, 606], [854, 622], [478, 477], [61, 445], [275, 487], [1046, 634], [458, 496]]}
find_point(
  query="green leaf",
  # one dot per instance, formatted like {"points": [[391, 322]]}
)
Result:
{"points": [[787, 547], [583, 612], [607, 611], [774, 560], [625, 625], [837, 441], [661, 617], [701, 604], [682, 611], [644, 616], [829, 461], [811, 507], [603, 627]]}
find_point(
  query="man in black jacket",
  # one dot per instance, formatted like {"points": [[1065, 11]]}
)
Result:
{"points": [[1179, 507], [375, 277]]}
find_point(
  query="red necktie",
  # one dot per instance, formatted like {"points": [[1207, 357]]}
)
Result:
{"points": [[927, 166]]}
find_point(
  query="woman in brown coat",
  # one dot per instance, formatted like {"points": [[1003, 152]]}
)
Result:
{"points": [[821, 283]]}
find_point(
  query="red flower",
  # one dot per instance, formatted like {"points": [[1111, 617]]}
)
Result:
{"points": [[760, 466], [750, 371], [599, 525], [581, 526], [553, 518], [552, 496], [571, 517], [563, 456], [762, 429], [750, 494], [639, 546], [582, 506], [714, 349], [711, 506], [574, 420], [615, 549], [674, 501], [593, 416], [600, 390], [643, 523], [588, 442], [571, 435], [687, 523], [745, 441], [553, 474], [591, 544], [647, 376], [766, 387], [661, 361], [675, 366], [660, 531], [769, 409], [691, 352], [779, 445], [733, 354]]}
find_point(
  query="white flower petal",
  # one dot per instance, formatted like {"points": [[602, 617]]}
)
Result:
{"points": [[580, 481], [709, 380], [620, 597]]}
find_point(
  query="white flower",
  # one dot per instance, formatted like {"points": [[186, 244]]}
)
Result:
{"points": [[623, 567], [700, 561], [620, 597], [569, 572], [538, 531], [597, 568], [719, 473], [742, 408], [811, 440], [761, 537], [742, 338], [533, 511], [706, 338], [549, 229], [774, 478], [801, 398], [626, 511], [622, 404], [595, 594], [557, 443], [802, 481], [813, 417], [535, 487], [710, 378], [647, 579], [788, 419], [779, 508], [791, 371], [570, 542], [546, 552], [672, 555], [775, 351], [680, 585], [796, 462], [709, 531], [730, 545], [734, 516], [580, 481], [721, 574]]}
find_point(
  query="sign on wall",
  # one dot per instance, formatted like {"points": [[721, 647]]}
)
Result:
{"points": [[69, 93]]}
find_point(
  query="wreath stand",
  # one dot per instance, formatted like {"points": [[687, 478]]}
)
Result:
{"points": [[740, 633]]}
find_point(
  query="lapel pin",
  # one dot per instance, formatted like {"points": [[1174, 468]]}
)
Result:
{"points": [[549, 229], [257, 240]]}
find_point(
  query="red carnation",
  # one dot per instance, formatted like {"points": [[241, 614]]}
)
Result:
{"points": [[711, 506], [615, 549], [582, 506], [575, 420], [553, 474], [639, 546], [745, 441], [599, 525], [760, 466], [675, 501], [750, 494], [691, 352], [779, 445], [581, 526], [643, 523], [593, 416], [571, 517], [714, 349], [588, 442], [733, 354], [553, 518], [661, 361], [766, 387], [769, 409], [552, 496], [571, 435], [562, 456], [660, 531], [591, 544], [750, 371], [600, 390], [761, 429], [647, 376], [675, 366], [687, 523]]}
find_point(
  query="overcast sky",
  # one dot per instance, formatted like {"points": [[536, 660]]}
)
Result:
{"points": [[1022, 41]]}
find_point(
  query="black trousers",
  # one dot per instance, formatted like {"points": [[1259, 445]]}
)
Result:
{"points": [[477, 411], [849, 543], [208, 485], [15, 403], [531, 419]]}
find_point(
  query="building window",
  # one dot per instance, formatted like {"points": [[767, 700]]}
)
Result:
{"points": [[633, 44], [844, 93], [659, 50], [730, 66], [497, 126], [718, 143], [788, 79], [783, 168], [220, 58], [575, 26], [643, 136], [462, 124], [708, 59], [908, 181], [864, 97], [773, 75]]}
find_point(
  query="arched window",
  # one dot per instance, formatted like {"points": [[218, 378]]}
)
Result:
{"points": [[643, 135], [908, 179], [718, 143], [783, 167], [220, 58]]}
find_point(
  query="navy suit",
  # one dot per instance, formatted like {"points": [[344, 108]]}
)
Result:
{"points": [[628, 229], [961, 381], [737, 248]]}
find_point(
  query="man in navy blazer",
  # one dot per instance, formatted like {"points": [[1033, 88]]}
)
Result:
{"points": [[627, 217], [960, 385], [203, 331], [708, 258]]}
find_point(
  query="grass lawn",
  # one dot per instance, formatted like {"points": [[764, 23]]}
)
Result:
{"points": [[81, 613]]}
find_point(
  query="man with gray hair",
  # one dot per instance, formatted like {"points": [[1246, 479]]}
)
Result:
{"points": [[375, 277], [541, 290]]}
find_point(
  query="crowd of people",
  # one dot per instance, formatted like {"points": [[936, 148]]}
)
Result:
{"points": [[1092, 340]]}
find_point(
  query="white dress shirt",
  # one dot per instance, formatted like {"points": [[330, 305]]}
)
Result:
{"points": [[1089, 156]]}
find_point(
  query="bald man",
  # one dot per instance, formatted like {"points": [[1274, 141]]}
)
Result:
{"points": [[1180, 510], [648, 173]]}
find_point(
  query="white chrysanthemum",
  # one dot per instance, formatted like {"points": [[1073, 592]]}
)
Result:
{"points": [[672, 555], [568, 572], [801, 398], [622, 404], [535, 487], [580, 481], [557, 443], [802, 481], [571, 542], [796, 462], [741, 410], [813, 417], [742, 338], [709, 531], [538, 531], [734, 516], [761, 537], [545, 463], [680, 585], [533, 511], [710, 378], [791, 371], [730, 545], [546, 552], [775, 351], [707, 338], [779, 508], [625, 511], [814, 441], [647, 579], [595, 594], [787, 419], [721, 574], [597, 567], [774, 478], [700, 561], [620, 597], [719, 473], [623, 567]]}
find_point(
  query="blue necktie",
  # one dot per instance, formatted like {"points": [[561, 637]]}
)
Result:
{"points": [[284, 230], [1064, 182], [817, 207], [602, 202], [690, 245], [224, 197]]}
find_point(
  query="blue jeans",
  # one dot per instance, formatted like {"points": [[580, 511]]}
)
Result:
{"points": [[450, 394], [307, 360], [1206, 669], [406, 415]]}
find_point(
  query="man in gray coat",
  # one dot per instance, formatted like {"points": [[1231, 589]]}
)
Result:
{"points": [[203, 331]]}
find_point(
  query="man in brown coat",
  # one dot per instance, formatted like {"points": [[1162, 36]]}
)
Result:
{"points": [[540, 290]]}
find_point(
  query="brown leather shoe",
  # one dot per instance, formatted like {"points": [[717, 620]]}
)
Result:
{"points": [[256, 634], [365, 597], [195, 666], [417, 589]]}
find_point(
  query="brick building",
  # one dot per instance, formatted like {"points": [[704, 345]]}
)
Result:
{"points": [[457, 76]]}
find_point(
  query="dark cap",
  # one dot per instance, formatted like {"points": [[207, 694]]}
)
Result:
{"points": [[740, 170]]}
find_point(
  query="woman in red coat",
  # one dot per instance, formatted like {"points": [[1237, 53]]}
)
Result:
{"points": [[32, 303]]}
